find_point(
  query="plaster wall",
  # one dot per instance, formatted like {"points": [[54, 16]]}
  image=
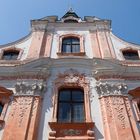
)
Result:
{"points": [[25, 47]]}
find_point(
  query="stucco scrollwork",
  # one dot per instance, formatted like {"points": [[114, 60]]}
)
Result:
{"points": [[36, 89], [106, 89]]}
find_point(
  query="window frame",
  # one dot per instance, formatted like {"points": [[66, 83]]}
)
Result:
{"points": [[81, 41]]}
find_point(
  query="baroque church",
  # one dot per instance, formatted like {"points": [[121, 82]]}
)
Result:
{"points": [[70, 79]]}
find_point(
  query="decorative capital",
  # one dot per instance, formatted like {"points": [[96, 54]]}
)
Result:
{"points": [[106, 89], [25, 89]]}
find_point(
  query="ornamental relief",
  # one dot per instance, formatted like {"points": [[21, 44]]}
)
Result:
{"points": [[19, 109], [106, 89], [115, 109], [36, 89], [119, 110], [71, 77]]}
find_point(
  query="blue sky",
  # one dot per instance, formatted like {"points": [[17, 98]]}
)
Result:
{"points": [[15, 15]]}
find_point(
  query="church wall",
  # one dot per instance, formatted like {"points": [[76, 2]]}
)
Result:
{"points": [[106, 82]]}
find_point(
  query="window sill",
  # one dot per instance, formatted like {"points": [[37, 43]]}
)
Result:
{"points": [[71, 54], [83, 130]]}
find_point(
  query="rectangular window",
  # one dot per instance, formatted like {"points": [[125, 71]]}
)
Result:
{"points": [[71, 105], [131, 55], [71, 45], [10, 55]]}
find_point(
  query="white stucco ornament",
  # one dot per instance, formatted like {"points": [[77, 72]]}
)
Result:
{"points": [[106, 89], [36, 89], [71, 79]]}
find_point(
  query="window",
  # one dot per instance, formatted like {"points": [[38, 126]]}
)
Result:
{"points": [[71, 118], [71, 105], [1, 108], [131, 55], [71, 21], [71, 45], [138, 104], [10, 55]]}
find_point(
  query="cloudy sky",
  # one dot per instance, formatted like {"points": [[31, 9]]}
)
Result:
{"points": [[15, 15]]}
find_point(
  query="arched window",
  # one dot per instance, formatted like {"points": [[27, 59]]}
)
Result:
{"points": [[130, 54], [71, 105], [71, 45], [10, 54]]}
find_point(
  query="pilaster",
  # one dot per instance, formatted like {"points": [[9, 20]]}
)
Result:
{"points": [[118, 119], [25, 111], [36, 44]]}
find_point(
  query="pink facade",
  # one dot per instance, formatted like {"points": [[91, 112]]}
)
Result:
{"points": [[70, 79]]}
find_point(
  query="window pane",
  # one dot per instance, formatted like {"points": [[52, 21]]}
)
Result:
{"points": [[65, 95], [131, 55], [75, 41], [71, 21], [78, 112], [139, 106], [64, 114], [75, 48], [67, 41], [6, 57], [77, 95], [10, 55], [14, 56], [70, 45], [1, 108], [71, 105], [66, 48]]}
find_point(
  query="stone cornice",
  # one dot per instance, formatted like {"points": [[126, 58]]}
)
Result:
{"points": [[41, 68]]}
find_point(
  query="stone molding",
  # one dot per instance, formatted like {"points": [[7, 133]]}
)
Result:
{"points": [[25, 89], [107, 89]]}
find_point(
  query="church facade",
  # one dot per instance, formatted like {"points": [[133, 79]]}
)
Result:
{"points": [[70, 79]]}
